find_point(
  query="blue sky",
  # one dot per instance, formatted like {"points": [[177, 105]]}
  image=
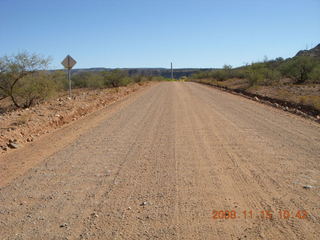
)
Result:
{"points": [[152, 33]]}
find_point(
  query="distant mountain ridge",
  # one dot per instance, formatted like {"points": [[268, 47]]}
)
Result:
{"points": [[313, 52]]}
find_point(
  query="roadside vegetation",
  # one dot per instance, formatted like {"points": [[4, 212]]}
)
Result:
{"points": [[26, 80], [300, 70], [295, 80]]}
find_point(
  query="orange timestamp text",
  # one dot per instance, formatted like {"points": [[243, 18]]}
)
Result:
{"points": [[259, 214]]}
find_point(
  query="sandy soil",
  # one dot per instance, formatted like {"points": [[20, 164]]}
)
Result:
{"points": [[22, 126], [157, 164]]}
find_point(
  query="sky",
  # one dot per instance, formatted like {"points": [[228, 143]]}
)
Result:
{"points": [[153, 33]]}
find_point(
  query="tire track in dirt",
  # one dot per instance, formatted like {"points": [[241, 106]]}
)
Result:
{"points": [[229, 136], [158, 164]]}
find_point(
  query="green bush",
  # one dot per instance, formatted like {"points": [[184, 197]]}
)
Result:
{"points": [[137, 78], [268, 72], [201, 75], [106, 79], [220, 74], [260, 74], [34, 88], [116, 78], [60, 79], [254, 76], [315, 74], [88, 80], [95, 81], [238, 73], [298, 68]]}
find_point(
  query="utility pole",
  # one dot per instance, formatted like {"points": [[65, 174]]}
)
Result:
{"points": [[171, 72]]}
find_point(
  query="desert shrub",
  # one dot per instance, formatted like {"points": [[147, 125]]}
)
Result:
{"points": [[116, 78], [260, 74], [238, 73], [201, 74], [126, 81], [107, 79], [88, 80], [254, 76], [95, 81], [137, 78], [80, 80], [142, 78], [227, 72], [219, 75], [60, 79], [298, 68], [34, 88], [268, 72], [315, 74]]}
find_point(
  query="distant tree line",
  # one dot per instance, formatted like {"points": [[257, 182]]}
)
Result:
{"points": [[26, 80]]}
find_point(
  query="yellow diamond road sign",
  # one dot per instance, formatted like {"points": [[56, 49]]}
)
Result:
{"points": [[68, 62]]}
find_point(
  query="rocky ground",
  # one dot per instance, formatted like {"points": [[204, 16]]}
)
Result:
{"points": [[176, 160], [19, 127]]}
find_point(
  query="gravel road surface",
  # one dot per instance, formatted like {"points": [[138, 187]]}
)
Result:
{"points": [[167, 163]]}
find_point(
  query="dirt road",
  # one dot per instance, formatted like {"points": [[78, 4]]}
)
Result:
{"points": [[156, 166]]}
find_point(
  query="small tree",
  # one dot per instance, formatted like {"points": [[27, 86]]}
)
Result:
{"points": [[14, 68], [227, 67], [116, 78], [299, 68]]}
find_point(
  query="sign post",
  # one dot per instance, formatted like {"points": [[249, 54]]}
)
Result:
{"points": [[68, 63]]}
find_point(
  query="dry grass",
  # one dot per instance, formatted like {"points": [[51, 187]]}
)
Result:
{"points": [[313, 101], [21, 120]]}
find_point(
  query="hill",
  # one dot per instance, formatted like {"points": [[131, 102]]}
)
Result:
{"points": [[314, 52]]}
